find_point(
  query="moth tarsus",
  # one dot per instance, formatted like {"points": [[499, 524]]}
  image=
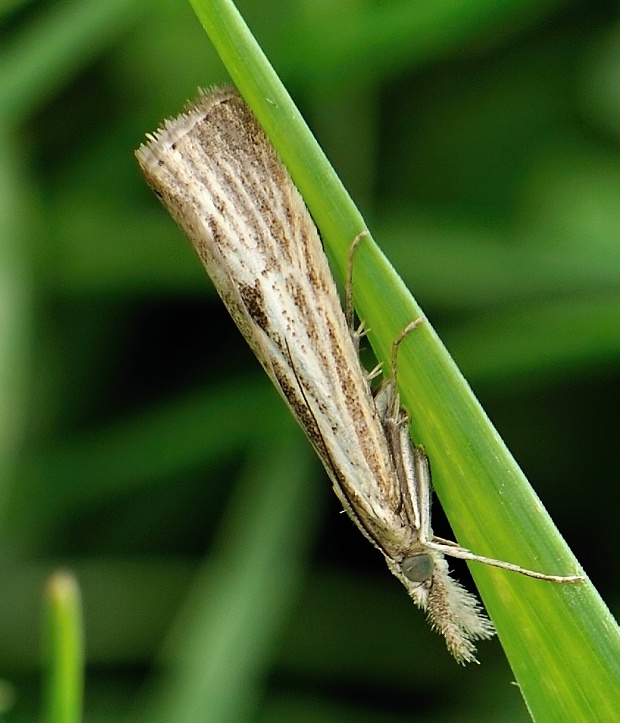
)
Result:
{"points": [[349, 307]]}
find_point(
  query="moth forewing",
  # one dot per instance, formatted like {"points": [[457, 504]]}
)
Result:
{"points": [[222, 181]]}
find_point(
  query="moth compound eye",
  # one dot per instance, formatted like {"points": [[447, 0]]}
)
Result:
{"points": [[418, 568]]}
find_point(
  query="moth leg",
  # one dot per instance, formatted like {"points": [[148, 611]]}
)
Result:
{"points": [[377, 371], [423, 490], [387, 399], [398, 341], [349, 310], [453, 549]]}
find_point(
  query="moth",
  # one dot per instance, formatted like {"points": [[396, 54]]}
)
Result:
{"points": [[222, 181]]}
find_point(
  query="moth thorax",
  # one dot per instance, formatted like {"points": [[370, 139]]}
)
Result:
{"points": [[418, 567]]}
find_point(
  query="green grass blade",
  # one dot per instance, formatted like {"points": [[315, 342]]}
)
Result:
{"points": [[64, 650], [561, 641]]}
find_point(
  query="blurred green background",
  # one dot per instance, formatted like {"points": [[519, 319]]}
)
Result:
{"points": [[143, 448]]}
